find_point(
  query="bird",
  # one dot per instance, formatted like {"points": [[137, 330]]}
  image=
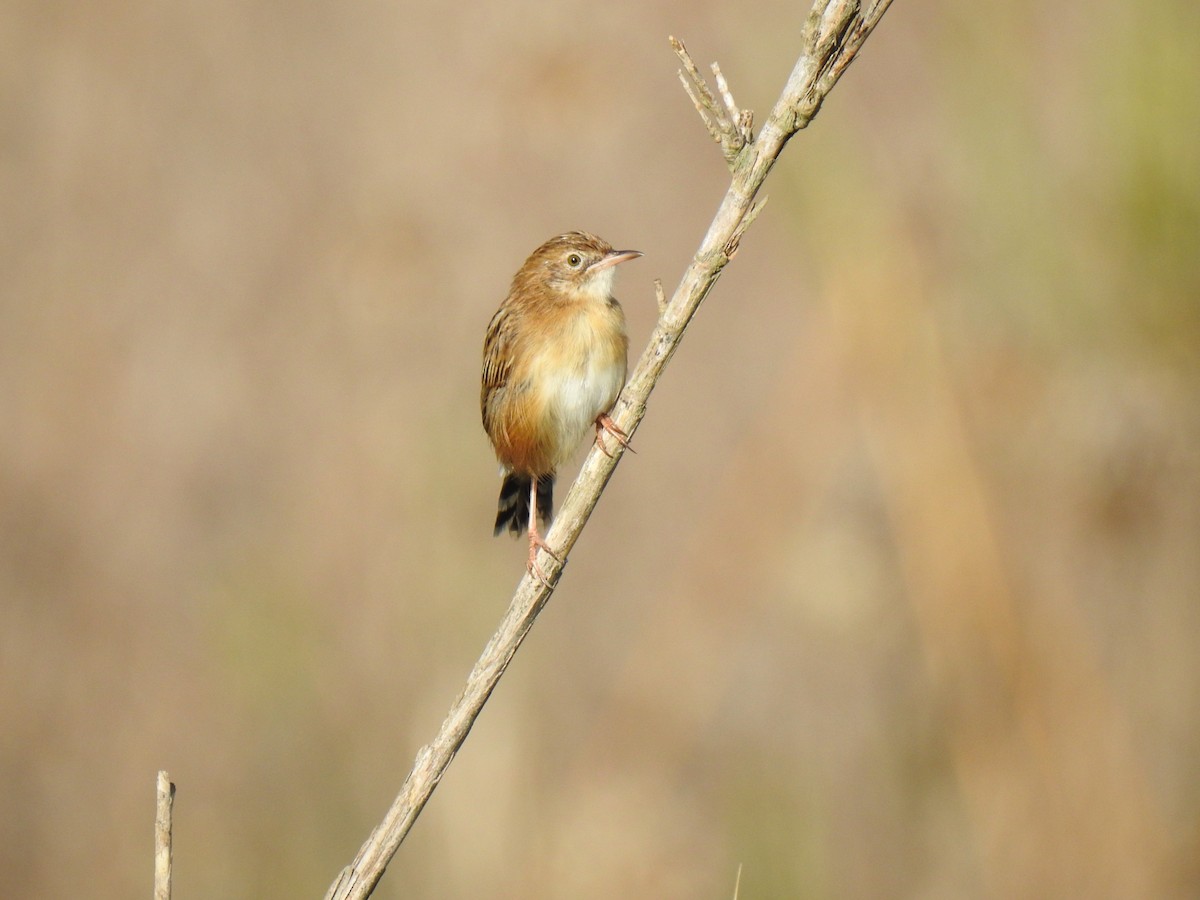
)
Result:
{"points": [[554, 361]]}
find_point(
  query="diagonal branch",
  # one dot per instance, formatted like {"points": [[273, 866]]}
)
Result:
{"points": [[832, 36]]}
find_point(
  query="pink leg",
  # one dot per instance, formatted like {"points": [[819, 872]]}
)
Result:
{"points": [[535, 540]]}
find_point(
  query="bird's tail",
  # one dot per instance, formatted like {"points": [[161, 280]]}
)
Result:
{"points": [[513, 507]]}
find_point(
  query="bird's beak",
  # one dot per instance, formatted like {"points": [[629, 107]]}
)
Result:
{"points": [[613, 258]]}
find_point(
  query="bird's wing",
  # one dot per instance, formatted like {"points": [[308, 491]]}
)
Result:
{"points": [[497, 356]]}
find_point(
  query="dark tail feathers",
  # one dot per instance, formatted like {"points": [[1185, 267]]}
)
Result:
{"points": [[513, 508]]}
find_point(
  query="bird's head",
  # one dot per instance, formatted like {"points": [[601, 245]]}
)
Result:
{"points": [[578, 264]]}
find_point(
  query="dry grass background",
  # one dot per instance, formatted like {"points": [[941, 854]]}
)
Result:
{"points": [[898, 598]]}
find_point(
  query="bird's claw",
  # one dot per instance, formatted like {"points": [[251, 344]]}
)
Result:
{"points": [[535, 544], [605, 423]]}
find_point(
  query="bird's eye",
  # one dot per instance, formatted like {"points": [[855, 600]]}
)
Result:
{"points": [[574, 260]]}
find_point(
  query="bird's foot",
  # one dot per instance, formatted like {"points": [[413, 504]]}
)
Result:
{"points": [[535, 544], [604, 423]]}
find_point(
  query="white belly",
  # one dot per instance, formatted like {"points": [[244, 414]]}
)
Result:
{"points": [[577, 399]]}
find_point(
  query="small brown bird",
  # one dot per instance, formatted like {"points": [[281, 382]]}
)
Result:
{"points": [[553, 364]]}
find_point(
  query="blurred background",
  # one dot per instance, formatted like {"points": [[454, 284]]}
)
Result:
{"points": [[897, 599]]}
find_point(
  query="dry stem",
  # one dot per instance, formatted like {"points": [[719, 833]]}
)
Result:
{"points": [[165, 791]]}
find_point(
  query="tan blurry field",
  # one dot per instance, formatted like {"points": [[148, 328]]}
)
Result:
{"points": [[898, 598]]}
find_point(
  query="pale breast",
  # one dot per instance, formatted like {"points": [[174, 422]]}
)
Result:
{"points": [[581, 370]]}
